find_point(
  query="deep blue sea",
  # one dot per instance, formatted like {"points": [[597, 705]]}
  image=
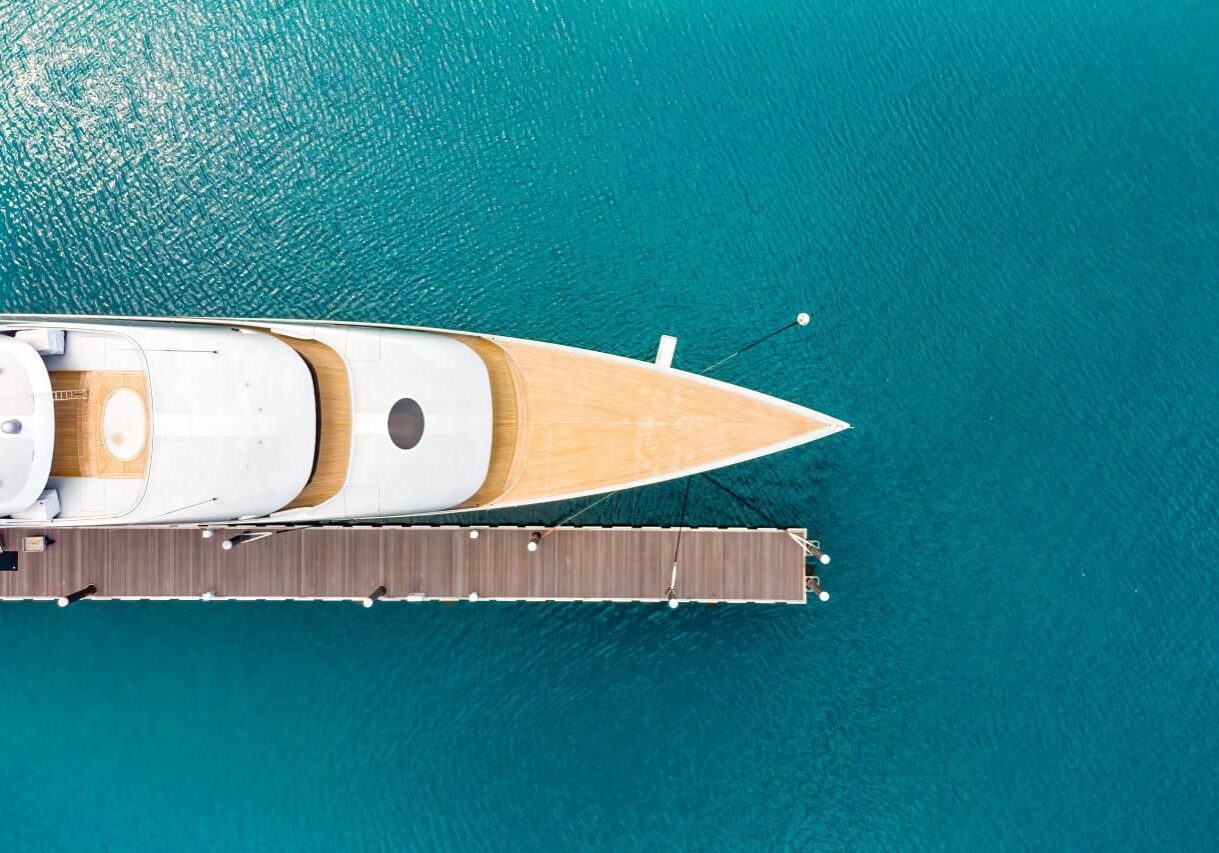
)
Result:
{"points": [[1004, 217]]}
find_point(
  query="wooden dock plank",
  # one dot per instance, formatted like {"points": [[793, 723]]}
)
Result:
{"points": [[571, 564], [693, 577], [735, 568]]}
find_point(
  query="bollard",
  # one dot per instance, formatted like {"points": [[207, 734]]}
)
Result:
{"points": [[473, 596], [372, 597], [208, 533], [243, 538], [65, 600], [534, 538], [473, 534], [814, 548], [208, 596], [416, 596], [812, 583]]}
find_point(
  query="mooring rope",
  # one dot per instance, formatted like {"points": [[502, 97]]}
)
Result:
{"points": [[743, 501], [671, 589], [811, 547], [555, 527], [801, 320], [681, 525], [182, 508]]}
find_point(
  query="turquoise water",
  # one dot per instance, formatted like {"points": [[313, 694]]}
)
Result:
{"points": [[1005, 217]]}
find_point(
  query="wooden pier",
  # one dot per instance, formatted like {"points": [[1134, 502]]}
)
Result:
{"points": [[414, 563]]}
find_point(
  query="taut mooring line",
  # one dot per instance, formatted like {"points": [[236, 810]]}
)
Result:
{"points": [[555, 527], [801, 320], [681, 525], [182, 508], [671, 589], [748, 504]]}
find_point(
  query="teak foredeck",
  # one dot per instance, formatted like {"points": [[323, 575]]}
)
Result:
{"points": [[574, 422]]}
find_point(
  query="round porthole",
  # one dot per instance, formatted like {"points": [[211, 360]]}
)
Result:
{"points": [[406, 423]]}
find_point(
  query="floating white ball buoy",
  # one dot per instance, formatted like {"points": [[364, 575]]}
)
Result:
{"points": [[672, 603], [824, 559], [532, 546], [803, 317], [367, 602], [62, 601], [823, 595]]}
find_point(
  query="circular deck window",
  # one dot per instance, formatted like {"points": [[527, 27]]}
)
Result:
{"points": [[406, 423]]}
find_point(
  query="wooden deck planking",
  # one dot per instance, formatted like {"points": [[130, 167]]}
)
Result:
{"points": [[580, 579], [80, 444], [735, 570], [573, 422], [657, 562], [575, 563], [482, 562], [692, 572], [332, 564], [541, 569], [333, 389], [508, 401]]}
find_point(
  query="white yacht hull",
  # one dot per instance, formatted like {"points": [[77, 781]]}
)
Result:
{"points": [[408, 421]]}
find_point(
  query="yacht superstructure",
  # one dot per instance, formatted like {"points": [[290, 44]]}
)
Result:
{"points": [[175, 421]]}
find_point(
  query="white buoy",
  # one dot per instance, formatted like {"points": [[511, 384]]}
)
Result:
{"points": [[367, 602], [227, 544], [802, 318], [65, 600], [473, 596], [672, 603], [813, 585], [473, 534], [208, 534], [813, 549], [532, 546]]}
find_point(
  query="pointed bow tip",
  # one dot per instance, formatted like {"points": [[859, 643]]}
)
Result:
{"points": [[821, 425]]}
